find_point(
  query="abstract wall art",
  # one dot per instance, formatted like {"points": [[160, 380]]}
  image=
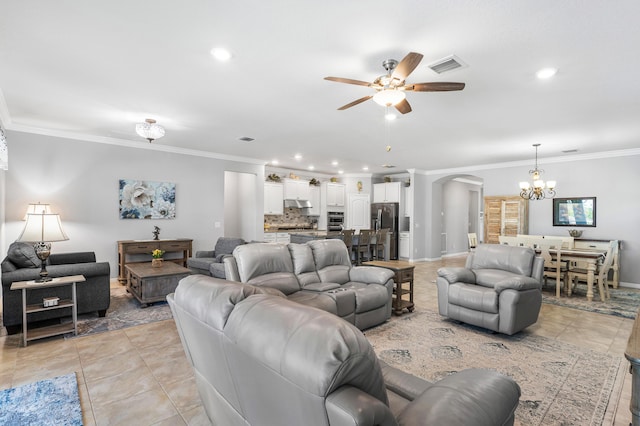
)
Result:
{"points": [[141, 199]]}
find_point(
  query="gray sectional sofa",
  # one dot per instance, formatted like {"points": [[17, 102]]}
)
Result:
{"points": [[319, 274], [21, 264], [500, 288], [261, 359]]}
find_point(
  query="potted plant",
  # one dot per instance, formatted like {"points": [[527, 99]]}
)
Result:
{"points": [[273, 178], [314, 182], [157, 254]]}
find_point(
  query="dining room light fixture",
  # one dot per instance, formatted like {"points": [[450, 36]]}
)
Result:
{"points": [[539, 190], [150, 130], [389, 97]]}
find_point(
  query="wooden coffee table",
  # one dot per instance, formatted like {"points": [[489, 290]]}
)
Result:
{"points": [[404, 274], [149, 284]]}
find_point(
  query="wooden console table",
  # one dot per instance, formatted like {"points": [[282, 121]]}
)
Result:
{"points": [[127, 248], [403, 274]]}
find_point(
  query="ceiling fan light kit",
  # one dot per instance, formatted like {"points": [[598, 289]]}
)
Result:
{"points": [[150, 130], [390, 88]]}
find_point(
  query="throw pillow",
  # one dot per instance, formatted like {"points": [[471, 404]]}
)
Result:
{"points": [[23, 256]]}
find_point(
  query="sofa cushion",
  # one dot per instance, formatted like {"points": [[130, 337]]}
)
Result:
{"points": [[23, 255], [303, 264], [490, 277], [518, 260], [368, 296], [286, 282], [202, 263], [226, 245], [474, 297]]}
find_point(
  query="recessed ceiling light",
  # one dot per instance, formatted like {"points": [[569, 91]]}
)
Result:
{"points": [[365, 168], [546, 73], [334, 163], [274, 162], [311, 167], [298, 157], [340, 171], [221, 54]]}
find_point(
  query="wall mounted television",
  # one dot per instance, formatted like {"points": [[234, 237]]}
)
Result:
{"points": [[576, 211]]}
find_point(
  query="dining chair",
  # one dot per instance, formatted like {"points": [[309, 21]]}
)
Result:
{"points": [[554, 266], [473, 240], [507, 240], [577, 275], [377, 247], [364, 246], [347, 238]]}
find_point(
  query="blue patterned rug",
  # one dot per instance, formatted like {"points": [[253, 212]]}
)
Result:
{"points": [[624, 302], [43, 403]]}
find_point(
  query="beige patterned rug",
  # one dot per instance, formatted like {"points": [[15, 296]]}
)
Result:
{"points": [[561, 384]]}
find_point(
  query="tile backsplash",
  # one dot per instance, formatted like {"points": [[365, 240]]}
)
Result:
{"points": [[291, 217]]}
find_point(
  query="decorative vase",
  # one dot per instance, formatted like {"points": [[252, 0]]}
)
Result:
{"points": [[156, 263]]}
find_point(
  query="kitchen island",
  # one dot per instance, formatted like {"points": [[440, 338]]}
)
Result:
{"points": [[302, 237]]}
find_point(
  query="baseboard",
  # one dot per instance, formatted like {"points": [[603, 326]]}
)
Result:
{"points": [[629, 285]]}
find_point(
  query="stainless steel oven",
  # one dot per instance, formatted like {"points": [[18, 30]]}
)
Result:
{"points": [[335, 221]]}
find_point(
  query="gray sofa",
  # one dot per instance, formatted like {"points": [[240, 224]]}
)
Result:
{"points": [[209, 262], [318, 273], [500, 288], [261, 359], [21, 264]]}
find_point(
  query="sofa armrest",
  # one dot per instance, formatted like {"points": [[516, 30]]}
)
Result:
{"points": [[517, 283], [457, 275], [370, 275], [486, 397], [231, 272], [86, 269], [404, 384], [348, 405], [320, 287], [205, 253]]}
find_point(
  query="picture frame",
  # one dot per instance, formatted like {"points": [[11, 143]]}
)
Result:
{"points": [[574, 211]]}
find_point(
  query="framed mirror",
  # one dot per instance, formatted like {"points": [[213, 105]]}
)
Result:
{"points": [[577, 211]]}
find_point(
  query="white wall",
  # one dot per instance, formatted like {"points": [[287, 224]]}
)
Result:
{"points": [[612, 179], [80, 181]]}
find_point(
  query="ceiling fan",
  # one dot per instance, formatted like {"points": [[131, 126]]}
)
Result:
{"points": [[391, 88]]}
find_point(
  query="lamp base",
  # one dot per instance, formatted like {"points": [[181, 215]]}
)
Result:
{"points": [[43, 250]]}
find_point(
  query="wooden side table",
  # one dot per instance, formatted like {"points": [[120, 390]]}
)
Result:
{"points": [[52, 330], [403, 274]]}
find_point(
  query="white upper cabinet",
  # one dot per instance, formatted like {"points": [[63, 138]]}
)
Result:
{"points": [[388, 192], [314, 198], [273, 198], [335, 194], [296, 189]]}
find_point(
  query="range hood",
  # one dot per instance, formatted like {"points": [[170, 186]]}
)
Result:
{"points": [[297, 204]]}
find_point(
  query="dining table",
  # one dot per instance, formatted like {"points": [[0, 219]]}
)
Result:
{"points": [[592, 258]]}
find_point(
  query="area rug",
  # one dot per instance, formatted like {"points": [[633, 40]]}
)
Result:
{"points": [[124, 311], [561, 384], [624, 302], [43, 403]]}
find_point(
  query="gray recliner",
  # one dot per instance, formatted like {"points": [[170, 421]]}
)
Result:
{"points": [[260, 359], [500, 288], [209, 262]]}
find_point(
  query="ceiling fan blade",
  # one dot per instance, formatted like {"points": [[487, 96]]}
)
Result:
{"points": [[435, 87], [403, 106], [356, 102], [348, 81], [406, 66]]}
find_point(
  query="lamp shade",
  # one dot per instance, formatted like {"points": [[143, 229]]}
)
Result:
{"points": [[37, 208], [42, 227]]}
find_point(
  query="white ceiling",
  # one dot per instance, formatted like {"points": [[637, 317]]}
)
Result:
{"points": [[89, 69]]}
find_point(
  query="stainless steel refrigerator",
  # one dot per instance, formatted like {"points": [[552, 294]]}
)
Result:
{"points": [[385, 215]]}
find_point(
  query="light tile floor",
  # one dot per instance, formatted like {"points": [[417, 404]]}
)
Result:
{"points": [[140, 375]]}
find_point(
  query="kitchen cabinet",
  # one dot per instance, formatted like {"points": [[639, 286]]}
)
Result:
{"points": [[505, 215], [273, 198], [404, 243], [335, 194], [408, 201], [359, 212], [296, 189], [388, 192], [314, 198]]}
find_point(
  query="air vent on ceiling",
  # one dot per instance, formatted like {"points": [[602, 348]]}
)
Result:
{"points": [[449, 63], [388, 166], [246, 139], [567, 151]]}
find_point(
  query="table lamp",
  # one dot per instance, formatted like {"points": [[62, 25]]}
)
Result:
{"points": [[41, 230]]}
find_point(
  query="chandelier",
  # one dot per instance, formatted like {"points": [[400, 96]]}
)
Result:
{"points": [[150, 130], [539, 189]]}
